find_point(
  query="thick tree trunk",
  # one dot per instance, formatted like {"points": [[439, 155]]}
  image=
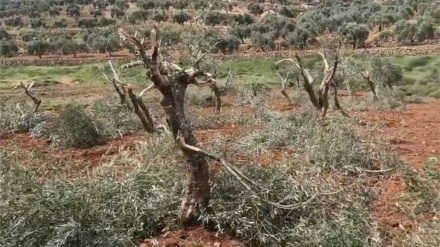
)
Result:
{"points": [[197, 191], [173, 87]]}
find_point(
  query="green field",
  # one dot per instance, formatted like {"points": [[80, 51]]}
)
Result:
{"points": [[421, 74]]}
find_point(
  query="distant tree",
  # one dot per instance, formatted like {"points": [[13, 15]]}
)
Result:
{"points": [[34, 14], [36, 23], [180, 4], [385, 71], [117, 12], [169, 38], [435, 13], [181, 17], [157, 15], [354, 33], [386, 36], [299, 37], [243, 19], [4, 35], [406, 31], [287, 11], [121, 4], [241, 32], [70, 47], [226, 44], [212, 18], [280, 25], [263, 41], [8, 48], [426, 30], [96, 13], [147, 5], [54, 11], [255, 9], [199, 4], [14, 22], [38, 48], [164, 4], [106, 45], [73, 10]]}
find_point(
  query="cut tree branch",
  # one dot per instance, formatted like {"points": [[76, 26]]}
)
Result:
{"points": [[27, 90], [320, 99], [370, 83]]}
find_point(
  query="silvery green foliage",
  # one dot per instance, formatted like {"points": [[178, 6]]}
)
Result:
{"points": [[18, 116], [116, 119], [40, 130], [339, 219], [75, 128], [385, 72], [99, 210]]}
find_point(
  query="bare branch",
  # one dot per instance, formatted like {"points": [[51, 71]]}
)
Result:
{"points": [[145, 90], [308, 80], [326, 66], [27, 90], [370, 83], [283, 86], [143, 115]]}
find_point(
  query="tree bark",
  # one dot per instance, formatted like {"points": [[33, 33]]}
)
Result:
{"points": [[172, 84]]}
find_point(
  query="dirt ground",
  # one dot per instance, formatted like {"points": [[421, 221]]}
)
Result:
{"points": [[413, 133]]}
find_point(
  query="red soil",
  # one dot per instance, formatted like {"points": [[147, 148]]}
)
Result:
{"points": [[414, 134]]}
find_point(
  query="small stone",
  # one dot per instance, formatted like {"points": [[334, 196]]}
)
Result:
{"points": [[217, 244]]}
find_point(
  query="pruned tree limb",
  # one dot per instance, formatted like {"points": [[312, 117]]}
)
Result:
{"points": [[27, 90], [320, 98], [370, 83], [141, 111], [283, 86]]}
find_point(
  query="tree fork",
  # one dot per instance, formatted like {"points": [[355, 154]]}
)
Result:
{"points": [[320, 99]]}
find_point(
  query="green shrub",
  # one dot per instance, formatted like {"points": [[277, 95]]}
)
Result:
{"points": [[19, 116], [331, 147], [117, 120], [302, 217], [74, 128], [92, 211]]}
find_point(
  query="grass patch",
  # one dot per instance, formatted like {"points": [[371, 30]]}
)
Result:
{"points": [[257, 71]]}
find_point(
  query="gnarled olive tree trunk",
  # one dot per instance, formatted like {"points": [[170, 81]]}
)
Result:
{"points": [[172, 82]]}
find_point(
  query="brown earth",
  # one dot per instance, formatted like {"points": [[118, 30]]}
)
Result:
{"points": [[413, 133]]}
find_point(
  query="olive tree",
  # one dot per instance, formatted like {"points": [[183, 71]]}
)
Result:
{"points": [[172, 82], [355, 34], [319, 98]]}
